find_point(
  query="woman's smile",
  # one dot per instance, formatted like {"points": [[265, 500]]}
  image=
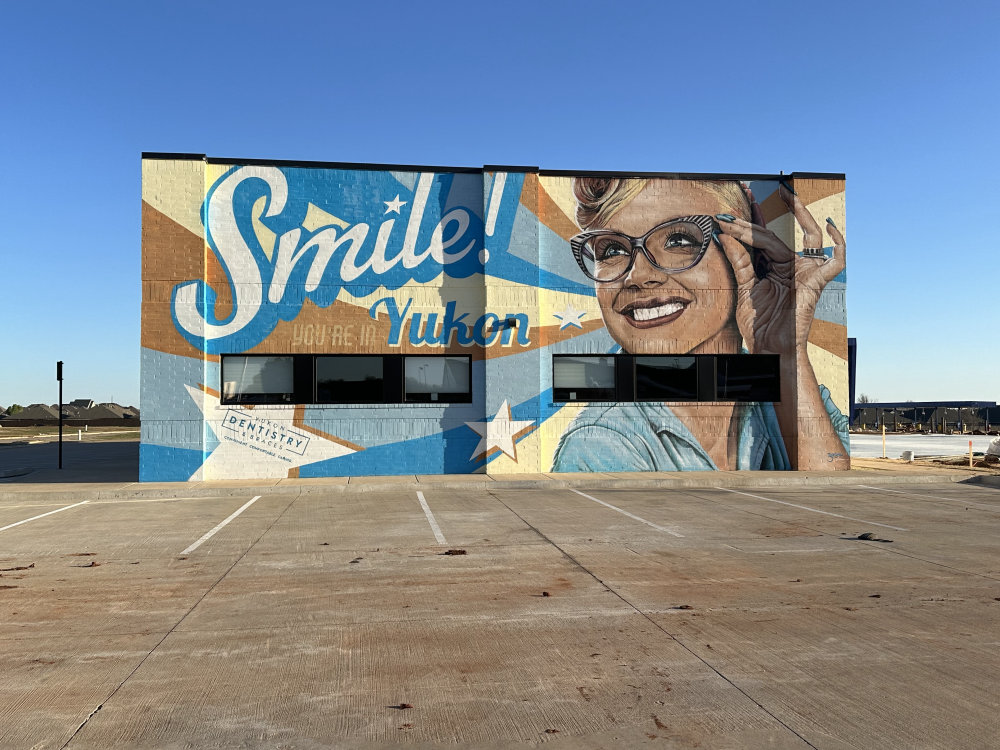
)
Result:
{"points": [[652, 311]]}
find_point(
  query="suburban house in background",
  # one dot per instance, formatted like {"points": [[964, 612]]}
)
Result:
{"points": [[76, 413]]}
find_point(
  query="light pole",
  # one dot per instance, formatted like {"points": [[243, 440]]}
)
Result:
{"points": [[59, 377]]}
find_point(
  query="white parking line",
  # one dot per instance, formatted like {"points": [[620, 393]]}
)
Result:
{"points": [[813, 510], [967, 503], [630, 515], [117, 501], [211, 533], [430, 519], [35, 518]]}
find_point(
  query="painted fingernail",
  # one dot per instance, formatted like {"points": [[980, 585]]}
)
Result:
{"points": [[830, 222], [717, 237], [787, 187], [725, 217]]}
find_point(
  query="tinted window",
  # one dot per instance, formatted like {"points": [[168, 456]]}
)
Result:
{"points": [[349, 380], [745, 377], [437, 379], [666, 379], [583, 378], [258, 380]]}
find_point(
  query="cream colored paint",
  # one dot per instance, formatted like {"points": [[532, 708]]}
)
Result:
{"points": [[830, 371], [176, 188]]}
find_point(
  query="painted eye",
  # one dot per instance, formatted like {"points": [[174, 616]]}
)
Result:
{"points": [[681, 242], [611, 248]]}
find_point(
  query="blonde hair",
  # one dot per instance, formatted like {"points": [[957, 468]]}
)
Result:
{"points": [[600, 198]]}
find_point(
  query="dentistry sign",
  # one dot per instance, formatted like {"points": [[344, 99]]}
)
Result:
{"points": [[268, 436], [509, 268]]}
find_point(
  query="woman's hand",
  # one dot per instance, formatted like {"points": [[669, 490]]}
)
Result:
{"points": [[771, 319]]}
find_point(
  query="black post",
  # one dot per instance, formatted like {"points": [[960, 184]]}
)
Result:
{"points": [[59, 378]]}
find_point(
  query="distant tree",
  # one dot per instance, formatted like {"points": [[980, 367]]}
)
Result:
{"points": [[14, 409], [864, 398]]}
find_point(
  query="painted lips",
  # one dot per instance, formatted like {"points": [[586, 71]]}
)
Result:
{"points": [[647, 314]]}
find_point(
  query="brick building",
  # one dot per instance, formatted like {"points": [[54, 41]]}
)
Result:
{"points": [[316, 319]]}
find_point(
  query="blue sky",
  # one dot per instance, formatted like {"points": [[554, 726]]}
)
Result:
{"points": [[902, 97]]}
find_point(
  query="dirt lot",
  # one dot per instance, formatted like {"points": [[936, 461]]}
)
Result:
{"points": [[959, 464], [24, 435]]}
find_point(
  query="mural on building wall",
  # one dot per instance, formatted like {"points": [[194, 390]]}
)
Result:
{"points": [[509, 268], [687, 267]]}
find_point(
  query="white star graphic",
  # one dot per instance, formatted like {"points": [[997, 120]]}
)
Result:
{"points": [[260, 442], [394, 205], [499, 433], [570, 317]]}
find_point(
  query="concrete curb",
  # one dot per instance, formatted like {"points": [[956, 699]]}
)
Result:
{"points": [[703, 480], [987, 480]]}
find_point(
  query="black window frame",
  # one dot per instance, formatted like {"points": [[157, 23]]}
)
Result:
{"points": [[442, 398], [306, 386], [616, 389], [699, 366], [627, 386], [771, 360], [265, 399], [386, 382]]}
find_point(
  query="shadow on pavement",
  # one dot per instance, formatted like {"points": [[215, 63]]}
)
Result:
{"points": [[112, 461]]}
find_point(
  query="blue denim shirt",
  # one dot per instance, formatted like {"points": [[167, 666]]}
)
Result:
{"points": [[646, 436]]}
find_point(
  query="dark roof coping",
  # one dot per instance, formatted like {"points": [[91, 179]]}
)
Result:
{"points": [[488, 168], [172, 157]]}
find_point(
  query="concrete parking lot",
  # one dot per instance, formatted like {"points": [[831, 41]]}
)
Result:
{"points": [[707, 617]]}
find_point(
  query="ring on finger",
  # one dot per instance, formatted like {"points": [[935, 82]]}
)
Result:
{"points": [[813, 252]]}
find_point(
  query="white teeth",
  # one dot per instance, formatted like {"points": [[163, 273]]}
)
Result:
{"points": [[651, 313]]}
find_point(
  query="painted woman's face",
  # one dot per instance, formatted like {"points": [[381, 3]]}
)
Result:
{"points": [[649, 311]]}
